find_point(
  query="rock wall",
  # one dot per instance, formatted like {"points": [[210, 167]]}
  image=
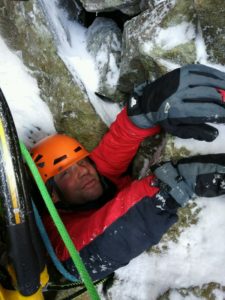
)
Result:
{"points": [[151, 47], [25, 30]]}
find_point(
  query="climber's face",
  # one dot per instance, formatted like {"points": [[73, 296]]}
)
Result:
{"points": [[80, 183]]}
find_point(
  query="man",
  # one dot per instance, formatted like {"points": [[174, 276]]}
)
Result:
{"points": [[110, 218]]}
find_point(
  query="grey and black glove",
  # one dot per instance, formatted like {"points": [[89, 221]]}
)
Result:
{"points": [[202, 176], [181, 101]]}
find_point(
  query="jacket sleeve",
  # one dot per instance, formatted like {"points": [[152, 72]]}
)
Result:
{"points": [[119, 145]]}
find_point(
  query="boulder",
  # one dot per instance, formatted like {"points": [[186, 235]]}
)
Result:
{"points": [[25, 30], [212, 22], [108, 5], [150, 45], [104, 43]]}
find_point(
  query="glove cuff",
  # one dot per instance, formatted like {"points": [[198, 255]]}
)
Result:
{"points": [[176, 186], [136, 115], [141, 121], [126, 122]]}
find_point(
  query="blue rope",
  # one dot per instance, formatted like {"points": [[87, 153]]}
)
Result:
{"points": [[49, 247]]}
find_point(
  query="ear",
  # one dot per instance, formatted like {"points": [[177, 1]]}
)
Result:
{"points": [[55, 197]]}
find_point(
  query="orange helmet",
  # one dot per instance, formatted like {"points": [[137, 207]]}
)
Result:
{"points": [[55, 153]]}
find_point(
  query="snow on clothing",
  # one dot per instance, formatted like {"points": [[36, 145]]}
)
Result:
{"points": [[131, 222]]}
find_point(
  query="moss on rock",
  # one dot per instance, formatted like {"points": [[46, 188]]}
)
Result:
{"points": [[24, 27]]}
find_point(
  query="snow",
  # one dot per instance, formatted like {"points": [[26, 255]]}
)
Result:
{"points": [[32, 117], [71, 42], [171, 37], [195, 260], [113, 75], [199, 255], [201, 52], [175, 35], [196, 147], [105, 58]]}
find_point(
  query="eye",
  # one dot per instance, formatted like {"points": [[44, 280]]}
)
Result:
{"points": [[64, 174], [82, 162]]}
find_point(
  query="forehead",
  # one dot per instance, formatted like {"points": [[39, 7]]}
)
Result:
{"points": [[85, 161]]}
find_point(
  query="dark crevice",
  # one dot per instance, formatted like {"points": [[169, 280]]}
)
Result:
{"points": [[77, 12]]}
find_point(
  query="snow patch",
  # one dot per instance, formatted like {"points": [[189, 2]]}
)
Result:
{"points": [[71, 44], [171, 37], [174, 36], [32, 116]]}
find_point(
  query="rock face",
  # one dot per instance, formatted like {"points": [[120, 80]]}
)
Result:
{"points": [[148, 45], [23, 26], [104, 43], [164, 36], [108, 5], [211, 19], [160, 38]]}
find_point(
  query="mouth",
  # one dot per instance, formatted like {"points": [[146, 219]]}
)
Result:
{"points": [[88, 184]]}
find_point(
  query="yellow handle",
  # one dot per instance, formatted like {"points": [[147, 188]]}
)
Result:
{"points": [[15, 295]]}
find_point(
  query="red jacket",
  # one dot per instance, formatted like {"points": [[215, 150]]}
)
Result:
{"points": [[134, 220]]}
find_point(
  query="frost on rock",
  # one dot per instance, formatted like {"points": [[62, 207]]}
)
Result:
{"points": [[163, 34], [104, 43], [210, 14]]}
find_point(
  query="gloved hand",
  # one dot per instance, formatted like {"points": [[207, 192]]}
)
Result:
{"points": [[202, 175], [181, 101]]}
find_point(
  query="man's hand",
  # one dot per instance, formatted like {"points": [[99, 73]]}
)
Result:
{"points": [[181, 101], [202, 175]]}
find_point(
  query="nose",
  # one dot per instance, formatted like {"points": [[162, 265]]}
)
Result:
{"points": [[80, 170]]}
